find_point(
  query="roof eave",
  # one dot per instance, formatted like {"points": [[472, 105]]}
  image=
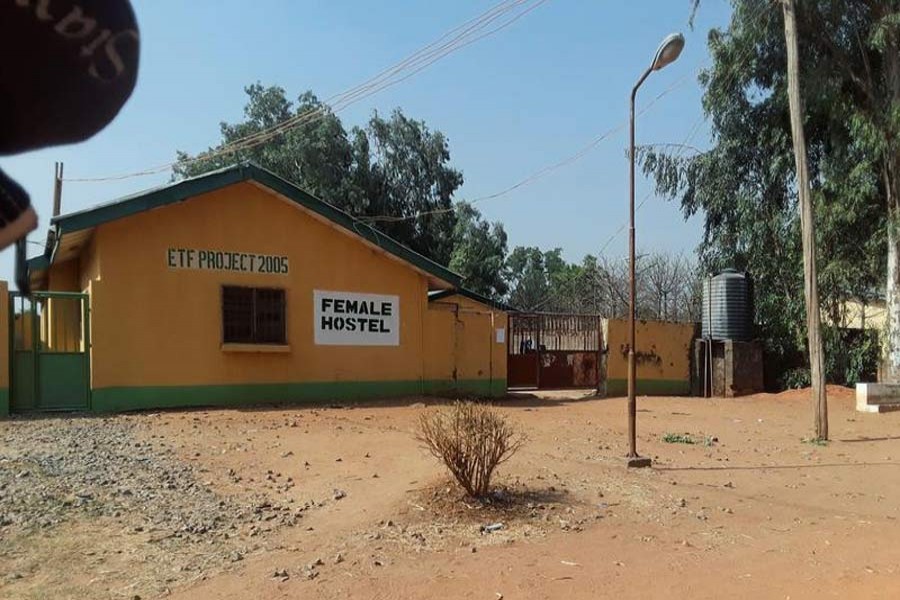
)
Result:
{"points": [[208, 182], [466, 293]]}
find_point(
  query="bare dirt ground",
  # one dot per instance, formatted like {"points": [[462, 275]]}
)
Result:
{"points": [[343, 503]]}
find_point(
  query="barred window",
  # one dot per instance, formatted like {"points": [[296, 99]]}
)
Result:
{"points": [[253, 315]]}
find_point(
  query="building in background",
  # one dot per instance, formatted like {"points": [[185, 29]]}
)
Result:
{"points": [[856, 314]]}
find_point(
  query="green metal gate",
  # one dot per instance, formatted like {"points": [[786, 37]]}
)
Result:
{"points": [[49, 351]]}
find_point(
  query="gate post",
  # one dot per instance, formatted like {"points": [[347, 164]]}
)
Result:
{"points": [[86, 341]]}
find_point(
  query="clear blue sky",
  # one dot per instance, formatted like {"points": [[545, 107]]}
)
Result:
{"points": [[510, 104]]}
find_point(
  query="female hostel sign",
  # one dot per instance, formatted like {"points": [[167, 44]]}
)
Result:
{"points": [[348, 319]]}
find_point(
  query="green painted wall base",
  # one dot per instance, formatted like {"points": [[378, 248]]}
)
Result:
{"points": [[649, 387], [4, 402], [115, 399]]}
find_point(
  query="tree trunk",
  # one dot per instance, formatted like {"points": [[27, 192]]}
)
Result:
{"points": [[891, 364], [891, 173], [807, 223]]}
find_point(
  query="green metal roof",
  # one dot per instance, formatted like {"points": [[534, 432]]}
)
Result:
{"points": [[38, 263], [214, 180], [442, 294]]}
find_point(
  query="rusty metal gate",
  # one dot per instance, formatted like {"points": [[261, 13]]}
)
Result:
{"points": [[554, 351]]}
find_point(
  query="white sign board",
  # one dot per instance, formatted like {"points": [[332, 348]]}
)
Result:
{"points": [[501, 335], [348, 319]]}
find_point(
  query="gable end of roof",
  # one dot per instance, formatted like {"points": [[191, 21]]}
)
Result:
{"points": [[246, 172]]}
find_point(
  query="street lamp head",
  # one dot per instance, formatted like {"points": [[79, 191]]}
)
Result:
{"points": [[668, 51]]}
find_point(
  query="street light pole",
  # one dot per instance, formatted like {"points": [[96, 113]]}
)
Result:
{"points": [[668, 52]]}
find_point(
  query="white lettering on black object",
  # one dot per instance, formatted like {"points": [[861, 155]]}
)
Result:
{"points": [[355, 319], [77, 25]]}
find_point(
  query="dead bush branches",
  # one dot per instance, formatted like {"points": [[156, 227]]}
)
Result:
{"points": [[472, 440]]}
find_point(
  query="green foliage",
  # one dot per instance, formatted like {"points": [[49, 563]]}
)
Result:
{"points": [[851, 355], [668, 287], [795, 378], [479, 252], [686, 438], [678, 438], [529, 281], [744, 184], [545, 281], [815, 441], [394, 168], [396, 173], [863, 359]]}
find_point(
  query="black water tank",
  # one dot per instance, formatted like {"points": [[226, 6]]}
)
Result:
{"points": [[728, 306]]}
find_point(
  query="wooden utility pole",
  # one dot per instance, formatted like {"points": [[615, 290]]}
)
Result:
{"points": [[807, 224], [57, 188]]}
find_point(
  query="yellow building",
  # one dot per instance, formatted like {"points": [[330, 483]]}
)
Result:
{"points": [[237, 287], [858, 315]]}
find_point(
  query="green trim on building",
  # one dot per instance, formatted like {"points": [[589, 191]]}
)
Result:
{"points": [[38, 263], [215, 180], [116, 399], [446, 294], [650, 387], [4, 402], [498, 388]]}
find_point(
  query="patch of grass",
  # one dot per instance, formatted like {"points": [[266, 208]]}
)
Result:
{"points": [[686, 438], [815, 441], [678, 438]]}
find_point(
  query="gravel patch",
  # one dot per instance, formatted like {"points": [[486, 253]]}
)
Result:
{"points": [[52, 470]]}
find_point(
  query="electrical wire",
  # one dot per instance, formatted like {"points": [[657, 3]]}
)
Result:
{"points": [[540, 173], [507, 12], [683, 146], [544, 171]]}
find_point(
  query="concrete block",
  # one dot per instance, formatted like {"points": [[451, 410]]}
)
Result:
{"points": [[877, 397]]}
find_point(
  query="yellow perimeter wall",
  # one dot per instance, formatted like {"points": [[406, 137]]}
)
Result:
{"points": [[663, 357], [462, 335], [156, 332]]}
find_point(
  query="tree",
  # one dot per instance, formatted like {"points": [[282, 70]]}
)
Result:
{"points": [[410, 165], [744, 185], [672, 290], [669, 287], [316, 155], [527, 277], [479, 252], [807, 225], [391, 171]]}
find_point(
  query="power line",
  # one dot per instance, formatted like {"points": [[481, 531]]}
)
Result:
{"points": [[682, 147], [540, 173], [558, 292], [507, 13], [544, 171]]}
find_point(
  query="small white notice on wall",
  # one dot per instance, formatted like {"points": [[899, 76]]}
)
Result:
{"points": [[350, 319], [501, 335]]}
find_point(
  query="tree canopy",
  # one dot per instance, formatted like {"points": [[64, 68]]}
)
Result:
{"points": [[744, 184], [396, 173], [393, 169]]}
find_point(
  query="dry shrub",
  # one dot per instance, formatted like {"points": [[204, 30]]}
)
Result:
{"points": [[472, 440]]}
